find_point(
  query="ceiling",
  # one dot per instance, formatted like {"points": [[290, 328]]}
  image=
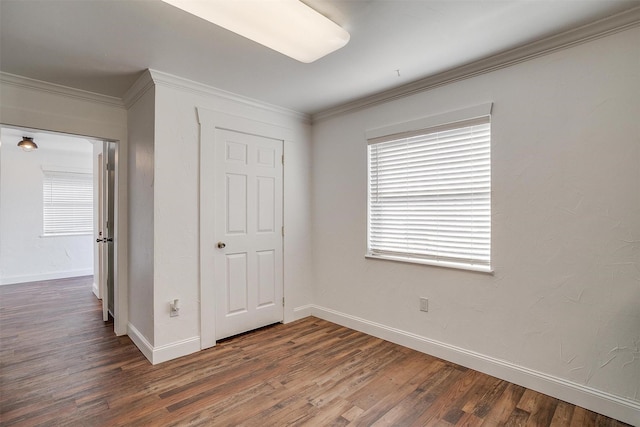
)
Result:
{"points": [[46, 141], [103, 46]]}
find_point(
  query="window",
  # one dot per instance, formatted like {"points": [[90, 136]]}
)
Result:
{"points": [[430, 194], [67, 203]]}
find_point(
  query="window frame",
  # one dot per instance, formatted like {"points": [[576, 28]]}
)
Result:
{"points": [[424, 126]]}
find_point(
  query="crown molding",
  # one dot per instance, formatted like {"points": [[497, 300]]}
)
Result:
{"points": [[171, 81], [579, 35], [60, 90], [139, 88]]}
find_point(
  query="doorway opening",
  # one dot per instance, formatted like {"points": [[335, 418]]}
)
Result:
{"points": [[57, 217]]}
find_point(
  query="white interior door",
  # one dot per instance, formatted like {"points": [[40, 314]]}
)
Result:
{"points": [[102, 227], [110, 223], [248, 260], [106, 189]]}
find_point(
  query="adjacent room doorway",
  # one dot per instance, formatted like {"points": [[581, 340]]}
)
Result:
{"points": [[59, 179]]}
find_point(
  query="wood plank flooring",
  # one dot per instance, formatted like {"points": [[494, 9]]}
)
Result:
{"points": [[61, 365]]}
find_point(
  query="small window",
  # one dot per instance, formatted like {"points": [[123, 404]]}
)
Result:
{"points": [[67, 203], [430, 195]]}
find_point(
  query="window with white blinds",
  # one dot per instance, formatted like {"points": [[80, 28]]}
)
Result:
{"points": [[67, 203], [430, 195]]}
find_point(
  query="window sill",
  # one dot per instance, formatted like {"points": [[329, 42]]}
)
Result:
{"points": [[65, 235], [477, 268]]}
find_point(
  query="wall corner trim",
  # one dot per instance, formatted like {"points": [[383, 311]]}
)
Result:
{"points": [[68, 92], [601, 28], [613, 406]]}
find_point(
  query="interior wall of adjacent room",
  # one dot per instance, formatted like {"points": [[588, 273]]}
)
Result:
{"points": [[25, 254], [564, 302]]}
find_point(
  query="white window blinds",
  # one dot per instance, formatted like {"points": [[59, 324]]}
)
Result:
{"points": [[430, 195], [67, 203]]}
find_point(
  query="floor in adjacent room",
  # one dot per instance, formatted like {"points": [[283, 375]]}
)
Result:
{"points": [[62, 365]]}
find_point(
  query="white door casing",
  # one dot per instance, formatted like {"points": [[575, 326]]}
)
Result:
{"points": [[241, 207]]}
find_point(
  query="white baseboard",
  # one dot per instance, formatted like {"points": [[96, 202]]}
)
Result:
{"points": [[299, 313], [175, 349], [140, 341], [95, 290], [162, 353], [12, 280], [613, 406]]}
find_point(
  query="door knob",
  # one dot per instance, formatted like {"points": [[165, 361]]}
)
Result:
{"points": [[221, 245]]}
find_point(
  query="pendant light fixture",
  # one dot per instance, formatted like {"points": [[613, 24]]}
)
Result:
{"points": [[27, 144], [286, 26]]}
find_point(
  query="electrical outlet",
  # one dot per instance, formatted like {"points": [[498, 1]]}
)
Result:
{"points": [[424, 304]]}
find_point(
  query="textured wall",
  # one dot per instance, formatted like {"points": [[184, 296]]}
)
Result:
{"points": [[565, 297]]}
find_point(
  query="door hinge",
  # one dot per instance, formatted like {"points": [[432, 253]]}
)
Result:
{"points": [[283, 159], [283, 301], [283, 231]]}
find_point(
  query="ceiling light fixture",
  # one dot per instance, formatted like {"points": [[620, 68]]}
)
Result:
{"points": [[287, 26], [27, 144]]}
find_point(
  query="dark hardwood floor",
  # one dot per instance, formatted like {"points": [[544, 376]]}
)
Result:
{"points": [[61, 365]]}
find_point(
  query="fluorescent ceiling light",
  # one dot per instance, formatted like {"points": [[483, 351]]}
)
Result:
{"points": [[287, 26]]}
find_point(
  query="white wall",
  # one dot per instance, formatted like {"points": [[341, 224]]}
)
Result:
{"points": [[39, 105], [176, 261], [563, 308], [173, 195], [141, 118], [25, 255]]}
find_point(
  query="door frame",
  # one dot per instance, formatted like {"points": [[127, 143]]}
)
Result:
{"points": [[209, 121], [105, 226]]}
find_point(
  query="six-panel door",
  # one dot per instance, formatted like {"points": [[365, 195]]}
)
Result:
{"points": [[248, 232]]}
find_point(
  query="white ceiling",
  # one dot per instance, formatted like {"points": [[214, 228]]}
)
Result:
{"points": [[46, 141], [103, 46]]}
